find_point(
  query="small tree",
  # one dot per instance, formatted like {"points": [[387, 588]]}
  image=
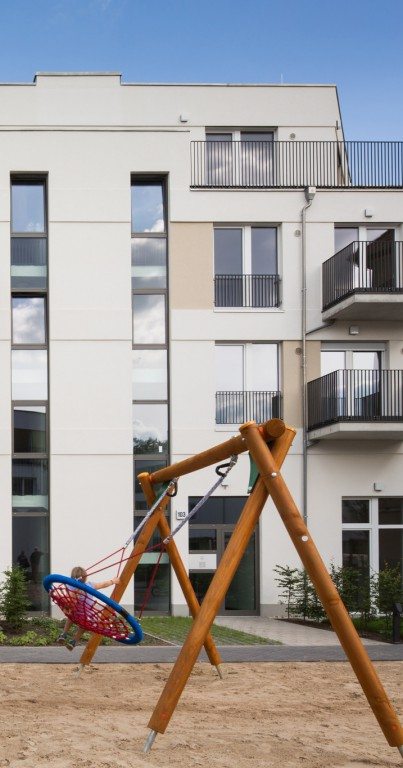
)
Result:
{"points": [[13, 598], [302, 595], [287, 580], [386, 590]]}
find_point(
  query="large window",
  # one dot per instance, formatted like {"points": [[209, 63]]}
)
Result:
{"points": [[247, 382], [29, 364], [372, 531], [245, 267], [150, 365]]}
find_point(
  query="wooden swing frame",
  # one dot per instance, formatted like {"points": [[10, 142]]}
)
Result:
{"points": [[268, 445]]}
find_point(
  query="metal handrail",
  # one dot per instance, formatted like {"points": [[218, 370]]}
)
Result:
{"points": [[363, 267], [236, 407], [355, 395], [297, 164], [257, 291]]}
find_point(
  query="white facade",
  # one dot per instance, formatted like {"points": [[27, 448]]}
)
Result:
{"points": [[89, 137]]}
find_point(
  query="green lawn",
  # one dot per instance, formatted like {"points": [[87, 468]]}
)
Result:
{"points": [[174, 629], [158, 630]]}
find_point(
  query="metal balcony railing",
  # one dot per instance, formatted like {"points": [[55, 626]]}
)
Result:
{"points": [[297, 164], [247, 291], [238, 407], [355, 395], [363, 267]]}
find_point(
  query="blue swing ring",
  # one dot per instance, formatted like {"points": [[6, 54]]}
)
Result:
{"points": [[102, 616]]}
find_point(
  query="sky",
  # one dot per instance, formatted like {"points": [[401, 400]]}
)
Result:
{"points": [[356, 44]]}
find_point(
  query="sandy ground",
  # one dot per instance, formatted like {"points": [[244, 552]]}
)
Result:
{"points": [[260, 715]]}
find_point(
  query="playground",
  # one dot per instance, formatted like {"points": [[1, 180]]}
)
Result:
{"points": [[265, 715]]}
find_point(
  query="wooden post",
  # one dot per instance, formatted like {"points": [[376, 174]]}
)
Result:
{"points": [[180, 570], [269, 472], [130, 566], [214, 596]]}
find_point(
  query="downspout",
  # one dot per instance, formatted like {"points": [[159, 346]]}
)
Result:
{"points": [[310, 193]]}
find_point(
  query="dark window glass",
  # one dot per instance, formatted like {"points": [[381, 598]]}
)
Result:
{"points": [[29, 374], [28, 207], [28, 263], [30, 532], [355, 511], [28, 320], [218, 510], [148, 207], [391, 549], [154, 540], [30, 429], [149, 262], [356, 549], [30, 483], [202, 539], [228, 251], [390, 511], [158, 599], [264, 251], [149, 318], [144, 466], [150, 428], [241, 595], [343, 236], [149, 376], [200, 583], [256, 136]]}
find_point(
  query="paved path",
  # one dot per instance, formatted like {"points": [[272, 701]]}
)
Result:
{"points": [[298, 643], [283, 631], [167, 654]]}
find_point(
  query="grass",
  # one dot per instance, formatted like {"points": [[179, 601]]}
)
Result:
{"points": [[158, 630]]}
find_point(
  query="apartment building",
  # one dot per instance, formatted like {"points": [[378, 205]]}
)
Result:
{"points": [[176, 260]]}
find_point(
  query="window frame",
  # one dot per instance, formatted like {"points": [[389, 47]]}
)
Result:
{"points": [[373, 526]]}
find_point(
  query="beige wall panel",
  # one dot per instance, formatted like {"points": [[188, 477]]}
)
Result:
{"points": [[191, 265], [313, 360], [291, 378]]}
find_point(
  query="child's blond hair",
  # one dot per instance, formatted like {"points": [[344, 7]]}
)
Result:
{"points": [[79, 573]]}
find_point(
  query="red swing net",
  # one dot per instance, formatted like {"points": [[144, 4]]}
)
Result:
{"points": [[90, 613]]}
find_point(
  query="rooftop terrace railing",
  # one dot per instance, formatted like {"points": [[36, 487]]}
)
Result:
{"points": [[297, 164]]}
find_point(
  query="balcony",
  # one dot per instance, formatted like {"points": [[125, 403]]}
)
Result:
{"points": [[238, 407], [253, 291], [296, 164], [356, 404], [364, 281]]}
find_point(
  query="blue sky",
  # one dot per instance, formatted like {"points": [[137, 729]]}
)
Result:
{"points": [[357, 45]]}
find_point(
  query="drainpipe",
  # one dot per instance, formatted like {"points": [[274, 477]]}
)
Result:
{"points": [[310, 193]]}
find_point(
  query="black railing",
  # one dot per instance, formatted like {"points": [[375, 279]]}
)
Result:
{"points": [[363, 267], [297, 164], [247, 291], [362, 395], [238, 407]]}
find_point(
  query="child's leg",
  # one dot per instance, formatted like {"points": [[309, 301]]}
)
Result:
{"points": [[73, 642], [63, 635]]}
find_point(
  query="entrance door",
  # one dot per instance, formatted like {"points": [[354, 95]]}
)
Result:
{"points": [[209, 533]]}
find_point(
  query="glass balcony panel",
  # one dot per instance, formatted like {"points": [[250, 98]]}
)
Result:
{"points": [[149, 257], [28, 263]]}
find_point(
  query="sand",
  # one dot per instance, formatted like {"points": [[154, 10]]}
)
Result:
{"points": [[260, 715]]}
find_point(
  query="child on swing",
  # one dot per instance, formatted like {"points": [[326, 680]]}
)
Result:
{"points": [[80, 574]]}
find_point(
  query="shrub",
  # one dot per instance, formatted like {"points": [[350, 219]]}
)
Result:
{"points": [[13, 599], [287, 579], [386, 590]]}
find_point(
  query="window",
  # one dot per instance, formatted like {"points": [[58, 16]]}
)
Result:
{"points": [[27, 206], [148, 210], [149, 262], [372, 533], [29, 374], [28, 235], [29, 429], [239, 158], [149, 322], [150, 375], [245, 266], [246, 382], [28, 319]]}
